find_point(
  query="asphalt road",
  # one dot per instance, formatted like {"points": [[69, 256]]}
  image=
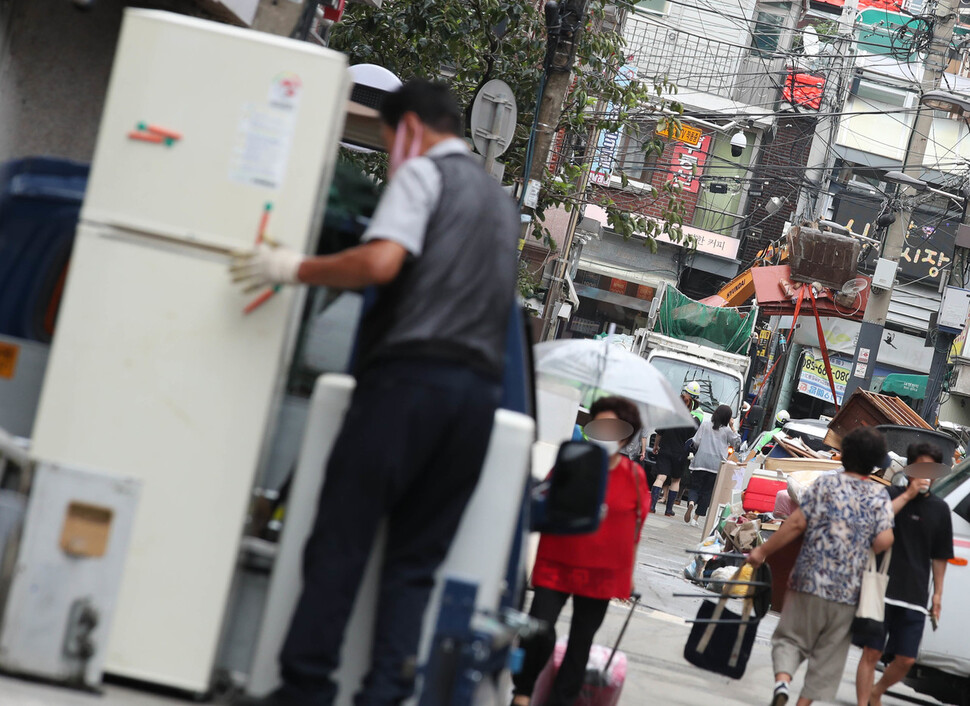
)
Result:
{"points": [[654, 643], [657, 672]]}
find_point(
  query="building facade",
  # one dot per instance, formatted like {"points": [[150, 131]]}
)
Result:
{"points": [[730, 68]]}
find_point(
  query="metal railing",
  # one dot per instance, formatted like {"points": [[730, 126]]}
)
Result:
{"points": [[697, 63]]}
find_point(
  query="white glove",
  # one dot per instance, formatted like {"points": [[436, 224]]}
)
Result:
{"points": [[267, 265]]}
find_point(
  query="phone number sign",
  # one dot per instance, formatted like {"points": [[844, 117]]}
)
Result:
{"points": [[814, 382]]}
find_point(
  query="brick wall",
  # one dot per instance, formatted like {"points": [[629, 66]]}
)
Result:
{"points": [[650, 205], [778, 173]]}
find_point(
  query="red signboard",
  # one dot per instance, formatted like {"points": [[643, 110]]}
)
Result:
{"points": [[333, 10], [618, 286], [645, 292], [687, 164], [891, 5]]}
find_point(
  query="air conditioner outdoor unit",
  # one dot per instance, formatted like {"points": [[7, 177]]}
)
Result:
{"points": [[960, 380]]}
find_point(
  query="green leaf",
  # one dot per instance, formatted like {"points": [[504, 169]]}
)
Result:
{"points": [[419, 37]]}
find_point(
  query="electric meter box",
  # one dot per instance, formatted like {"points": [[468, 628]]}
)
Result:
{"points": [[885, 275], [954, 309]]}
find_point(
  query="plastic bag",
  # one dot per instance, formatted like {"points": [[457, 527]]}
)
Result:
{"points": [[725, 573], [695, 568]]}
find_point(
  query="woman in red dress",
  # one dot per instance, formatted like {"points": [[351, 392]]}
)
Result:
{"points": [[592, 568]]}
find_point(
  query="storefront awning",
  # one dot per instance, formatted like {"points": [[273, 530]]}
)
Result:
{"points": [[912, 386], [630, 274], [613, 298]]}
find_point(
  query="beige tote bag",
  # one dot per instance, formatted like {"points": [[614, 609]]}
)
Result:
{"points": [[872, 595]]}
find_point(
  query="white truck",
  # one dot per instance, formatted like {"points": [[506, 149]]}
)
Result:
{"points": [[721, 375], [942, 669]]}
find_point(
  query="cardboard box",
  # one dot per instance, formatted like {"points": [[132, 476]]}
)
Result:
{"points": [[730, 480], [790, 465]]}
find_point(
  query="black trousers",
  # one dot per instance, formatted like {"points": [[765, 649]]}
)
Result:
{"points": [[588, 614], [701, 490], [411, 449]]}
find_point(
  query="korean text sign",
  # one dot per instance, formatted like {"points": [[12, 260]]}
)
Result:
{"points": [[687, 164]]}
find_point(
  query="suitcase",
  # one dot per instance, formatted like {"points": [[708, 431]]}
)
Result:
{"points": [[605, 672], [760, 494]]}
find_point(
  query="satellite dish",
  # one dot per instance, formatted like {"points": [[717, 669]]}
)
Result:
{"points": [[810, 41]]}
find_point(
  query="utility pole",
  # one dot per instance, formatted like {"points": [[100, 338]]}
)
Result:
{"points": [[942, 343], [821, 157], [564, 39], [549, 318], [565, 26], [943, 340], [874, 320]]}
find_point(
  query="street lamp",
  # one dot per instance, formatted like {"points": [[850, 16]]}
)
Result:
{"points": [[946, 101], [895, 177], [918, 185]]}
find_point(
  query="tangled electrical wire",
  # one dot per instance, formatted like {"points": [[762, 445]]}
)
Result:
{"points": [[915, 36]]}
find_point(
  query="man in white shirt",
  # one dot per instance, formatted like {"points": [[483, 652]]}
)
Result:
{"points": [[441, 250]]}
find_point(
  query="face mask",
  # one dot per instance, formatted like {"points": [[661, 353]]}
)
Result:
{"points": [[399, 153], [610, 447]]}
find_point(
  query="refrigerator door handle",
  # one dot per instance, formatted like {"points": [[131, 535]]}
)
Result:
{"points": [[189, 245]]}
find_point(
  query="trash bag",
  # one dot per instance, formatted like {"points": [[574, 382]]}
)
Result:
{"points": [[724, 573], [694, 571]]}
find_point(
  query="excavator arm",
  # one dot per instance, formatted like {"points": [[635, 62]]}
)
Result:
{"points": [[741, 288]]}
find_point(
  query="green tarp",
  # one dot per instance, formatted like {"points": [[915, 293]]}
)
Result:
{"points": [[912, 386], [688, 320]]}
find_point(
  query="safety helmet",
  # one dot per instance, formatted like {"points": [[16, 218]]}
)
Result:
{"points": [[782, 417], [693, 390]]}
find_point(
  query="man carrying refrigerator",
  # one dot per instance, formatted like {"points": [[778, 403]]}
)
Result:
{"points": [[441, 251]]}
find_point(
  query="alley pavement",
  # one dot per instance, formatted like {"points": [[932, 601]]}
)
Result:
{"points": [[654, 644]]}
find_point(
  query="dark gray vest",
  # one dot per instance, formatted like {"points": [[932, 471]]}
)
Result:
{"points": [[453, 302]]}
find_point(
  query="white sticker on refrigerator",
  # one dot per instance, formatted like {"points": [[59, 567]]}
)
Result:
{"points": [[261, 152]]}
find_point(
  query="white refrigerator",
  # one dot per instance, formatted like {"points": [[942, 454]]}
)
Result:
{"points": [[155, 372]]}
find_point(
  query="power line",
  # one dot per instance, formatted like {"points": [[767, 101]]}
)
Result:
{"points": [[647, 16]]}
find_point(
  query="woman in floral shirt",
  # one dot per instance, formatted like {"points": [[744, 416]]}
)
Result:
{"points": [[842, 516]]}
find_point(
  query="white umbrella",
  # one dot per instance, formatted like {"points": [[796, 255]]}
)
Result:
{"points": [[598, 368]]}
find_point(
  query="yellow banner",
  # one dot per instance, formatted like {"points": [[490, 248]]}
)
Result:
{"points": [[686, 134]]}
